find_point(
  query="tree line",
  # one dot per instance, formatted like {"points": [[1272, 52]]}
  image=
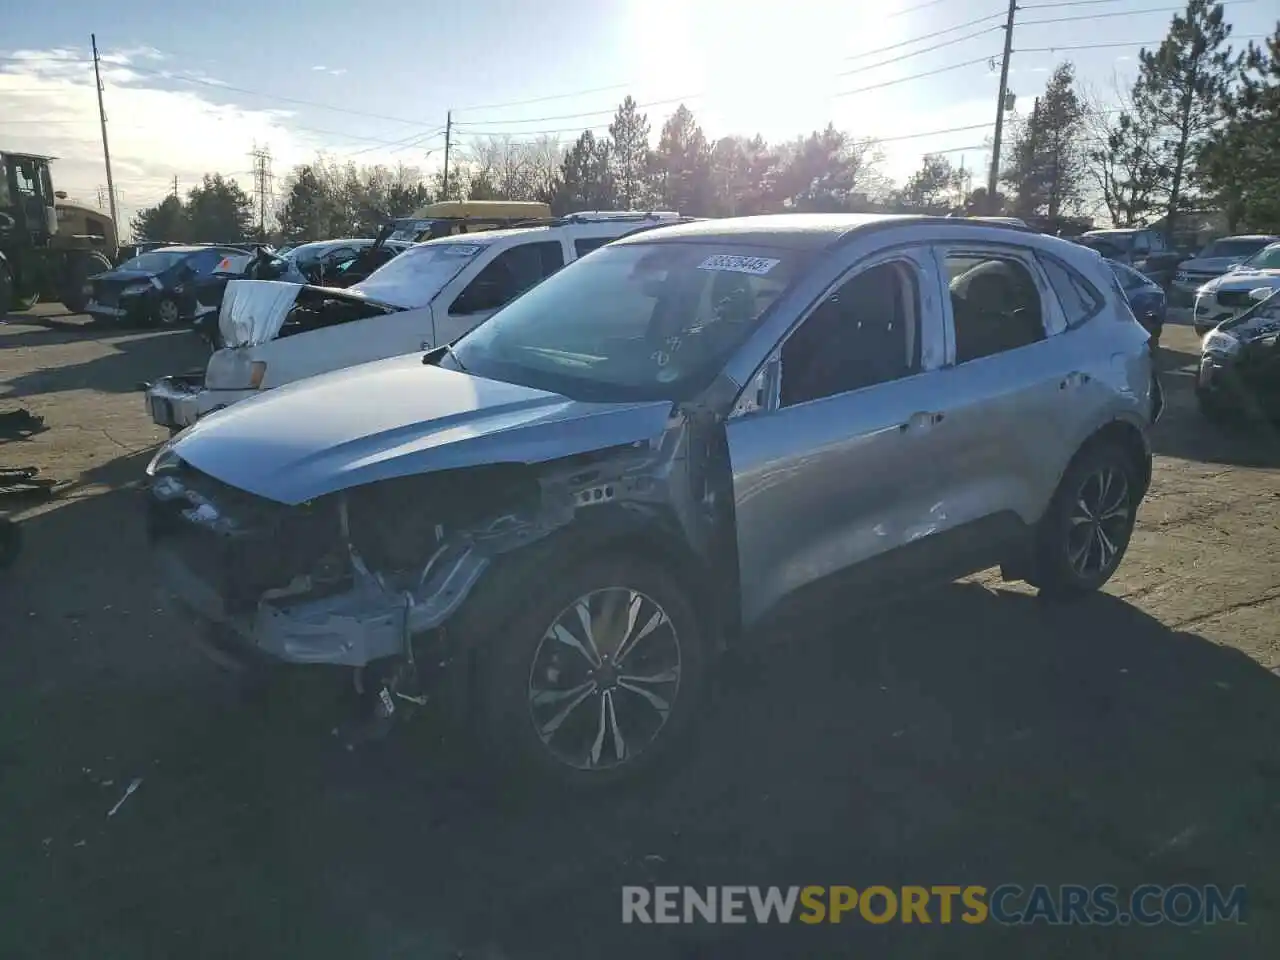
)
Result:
{"points": [[1198, 129]]}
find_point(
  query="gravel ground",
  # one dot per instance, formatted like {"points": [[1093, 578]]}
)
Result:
{"points": [[973, 736]]}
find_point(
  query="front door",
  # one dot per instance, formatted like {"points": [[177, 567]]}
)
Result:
{"points": [[832, 472]]}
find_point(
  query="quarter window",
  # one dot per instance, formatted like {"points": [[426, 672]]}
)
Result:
{"points": [[864, 333], [1079, 300], [995, 305]]}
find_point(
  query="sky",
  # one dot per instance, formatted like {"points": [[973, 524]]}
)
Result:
{"points": [[194, 88]]}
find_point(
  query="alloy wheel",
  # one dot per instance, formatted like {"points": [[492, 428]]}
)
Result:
{"points": [[604, 679], [1099, 522], [168, 312]]}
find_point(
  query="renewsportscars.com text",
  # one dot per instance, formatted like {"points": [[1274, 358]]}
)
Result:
{"points": [[1009, 904]]}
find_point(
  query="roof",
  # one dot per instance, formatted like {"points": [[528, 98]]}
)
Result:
{"points": [[26, 156], [800, 231], [1259, 237]]}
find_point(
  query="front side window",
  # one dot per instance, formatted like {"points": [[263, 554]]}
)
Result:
{"points": [[511, 273], [157, 261], [640, 321], [995, 305], [864, 333]]}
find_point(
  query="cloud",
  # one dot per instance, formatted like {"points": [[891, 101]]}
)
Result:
{"points": [[161, 125], [332, 71], [321, 67]]}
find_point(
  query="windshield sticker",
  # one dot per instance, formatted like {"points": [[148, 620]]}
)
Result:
{"points": [[756, 266]]}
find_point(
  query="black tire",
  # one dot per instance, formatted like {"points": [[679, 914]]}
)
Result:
{"points": [[513, 722], [80, 267], [1088, 488], [167, 313]]}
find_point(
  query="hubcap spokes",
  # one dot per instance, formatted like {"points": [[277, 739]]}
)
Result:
{"points": [[604, 678], [1099, 522]]}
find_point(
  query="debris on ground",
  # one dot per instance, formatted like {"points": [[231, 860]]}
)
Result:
{"points": [[20, 424], [133, 785]]}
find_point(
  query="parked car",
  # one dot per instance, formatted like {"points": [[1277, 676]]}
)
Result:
{"points": [[1144, 250], [155, 287], [1240, 362], [1212, 262], [1228, 296], [274, 333], [570, 509], [328, 263], [1146, 298]]}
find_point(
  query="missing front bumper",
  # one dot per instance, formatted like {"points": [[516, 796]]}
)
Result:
{"points": [[362, 625]]}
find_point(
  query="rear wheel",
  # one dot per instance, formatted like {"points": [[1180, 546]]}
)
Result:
{"points": [[1084, 534], [596, 678]]}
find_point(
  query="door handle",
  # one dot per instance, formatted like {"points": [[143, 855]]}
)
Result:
{"points": [[1073, 379], [921, 419]]}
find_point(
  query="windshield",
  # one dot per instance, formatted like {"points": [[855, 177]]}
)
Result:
{"points": [[1130, 279], [644, 321], [1107, 246], [414, 277], [1232, 248], [1265, 259], [157, 261]]}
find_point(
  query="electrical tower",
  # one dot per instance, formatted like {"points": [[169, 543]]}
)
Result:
{"points": [[263, 185]]}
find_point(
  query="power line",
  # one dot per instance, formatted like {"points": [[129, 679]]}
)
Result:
{"points": [[554, 96], [1121, 43], [918, 6], [219, 85], [916, 53], [1065, 3], [917, 76], [1117, 13], [573, 116], [925, 36]]}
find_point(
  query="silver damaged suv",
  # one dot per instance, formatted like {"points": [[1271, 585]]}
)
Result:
{"points": [[554, 523]]}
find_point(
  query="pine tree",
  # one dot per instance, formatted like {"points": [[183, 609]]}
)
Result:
{"points": [[629, 155], [1179, 95], [1047, 168], [683, 165]]}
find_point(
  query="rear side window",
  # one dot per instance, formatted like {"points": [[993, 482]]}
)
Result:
{"points": [[1078, 298], [587, 244], [995, 305]]}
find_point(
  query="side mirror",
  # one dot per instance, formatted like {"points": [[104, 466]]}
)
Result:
{"points": [[1259, 294]]}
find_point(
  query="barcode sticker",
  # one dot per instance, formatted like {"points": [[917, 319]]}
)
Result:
{"points": [[757, 266]]}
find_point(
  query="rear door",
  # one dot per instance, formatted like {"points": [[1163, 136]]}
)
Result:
{"points": [[1008, 383]]}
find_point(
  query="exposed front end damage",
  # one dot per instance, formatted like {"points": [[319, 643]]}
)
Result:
{"points": [[363, 575]]}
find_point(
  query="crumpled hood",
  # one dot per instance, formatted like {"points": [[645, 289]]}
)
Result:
{"points": [[395, 418], [253, 311]]}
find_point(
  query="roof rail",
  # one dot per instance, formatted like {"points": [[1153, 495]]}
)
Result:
{"points": [[656, 217]]}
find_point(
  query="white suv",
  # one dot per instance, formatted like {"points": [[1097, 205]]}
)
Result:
{"points": [[276, 333]]}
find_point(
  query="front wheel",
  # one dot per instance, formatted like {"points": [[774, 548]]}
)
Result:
{"points": [[1086, 530], [167, 312], [596, 678]]}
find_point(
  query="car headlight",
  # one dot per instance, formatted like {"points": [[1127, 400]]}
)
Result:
{"points": [[1220, 342]]}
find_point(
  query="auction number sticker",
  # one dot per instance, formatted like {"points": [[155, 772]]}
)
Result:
{"points": [[757, 266]]}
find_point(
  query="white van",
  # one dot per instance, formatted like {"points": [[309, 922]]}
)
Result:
{"points": [[433, 293]]}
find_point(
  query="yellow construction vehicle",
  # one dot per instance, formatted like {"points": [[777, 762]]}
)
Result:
{"points": [[49, 247]]}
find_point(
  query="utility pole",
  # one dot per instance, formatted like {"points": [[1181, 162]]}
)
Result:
{"points": [[993, 178], [175, 186], [448, 135], [102, 117], [261, 185]]}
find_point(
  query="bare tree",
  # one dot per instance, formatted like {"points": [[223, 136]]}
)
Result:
{"points": [[1122, 161]]}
